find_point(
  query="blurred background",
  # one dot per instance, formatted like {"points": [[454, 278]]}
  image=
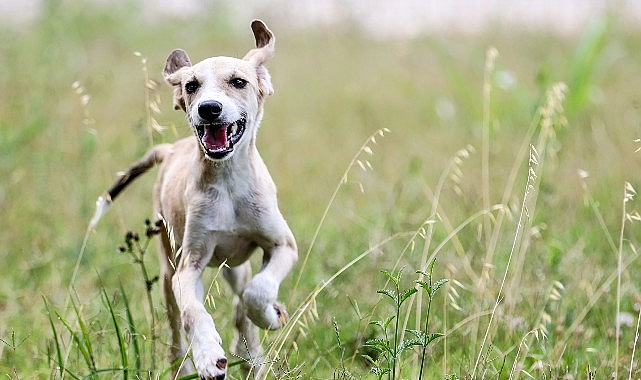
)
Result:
{"points": [[81, 97], [404, 18]]}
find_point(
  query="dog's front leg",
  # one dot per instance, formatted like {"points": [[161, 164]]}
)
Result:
{"points": [[262, 291], [208, 354]]}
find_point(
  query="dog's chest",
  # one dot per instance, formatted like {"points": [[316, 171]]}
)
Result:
{"points": [[234, 244], [235, 224]]}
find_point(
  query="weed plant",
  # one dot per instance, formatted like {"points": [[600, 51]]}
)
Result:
{"points": [[390, 349]]}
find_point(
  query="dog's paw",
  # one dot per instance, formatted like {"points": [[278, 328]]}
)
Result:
{"points": [[208, 354], [281, 313], [270, 317], [217, 372], [209, 365], [259, 299]]}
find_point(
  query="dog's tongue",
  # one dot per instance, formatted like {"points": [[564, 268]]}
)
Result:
{"points": [[215, 137]]}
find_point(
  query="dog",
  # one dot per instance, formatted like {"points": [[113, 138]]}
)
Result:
{"points": [[218, 204]]}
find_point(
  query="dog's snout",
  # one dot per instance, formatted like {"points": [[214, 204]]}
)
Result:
{"points": [[210, 110]]}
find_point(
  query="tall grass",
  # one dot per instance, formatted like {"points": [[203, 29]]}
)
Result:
{"points": [[476, 172]]}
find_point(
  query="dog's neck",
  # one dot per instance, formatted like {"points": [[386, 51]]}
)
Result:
{"points": [[241, 164]]}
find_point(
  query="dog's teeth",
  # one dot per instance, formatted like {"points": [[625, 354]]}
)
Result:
{"points": [[234, 129]]}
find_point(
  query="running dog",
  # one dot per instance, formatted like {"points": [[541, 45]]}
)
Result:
{"points": [[218, 205]]}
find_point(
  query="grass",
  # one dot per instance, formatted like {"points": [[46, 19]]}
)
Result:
{"points": [[525, 197]]}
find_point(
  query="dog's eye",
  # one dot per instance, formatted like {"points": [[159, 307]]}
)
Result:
{"points": [[238, 83], [191, 86]]}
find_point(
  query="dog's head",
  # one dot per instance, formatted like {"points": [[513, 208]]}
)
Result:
{"points": [[222, 96]]}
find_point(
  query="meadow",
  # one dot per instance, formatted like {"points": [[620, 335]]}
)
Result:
{"points": [[503, 162]]}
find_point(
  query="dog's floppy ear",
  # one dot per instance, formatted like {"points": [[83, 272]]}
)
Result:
{"points": [[177, 60], [264, 50]]}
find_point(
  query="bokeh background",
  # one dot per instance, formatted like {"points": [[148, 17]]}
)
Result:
{"points": [[81, 97]]}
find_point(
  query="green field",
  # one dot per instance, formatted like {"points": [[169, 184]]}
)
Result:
{"points": [[515, 171]]}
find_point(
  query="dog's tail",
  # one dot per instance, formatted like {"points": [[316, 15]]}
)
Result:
{"points": [[154, 156]]}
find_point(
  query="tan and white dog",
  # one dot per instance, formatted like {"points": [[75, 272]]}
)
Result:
{"points": [[218, 203]]}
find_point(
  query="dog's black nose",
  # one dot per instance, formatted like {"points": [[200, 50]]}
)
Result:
{"points": [[210, 110]]}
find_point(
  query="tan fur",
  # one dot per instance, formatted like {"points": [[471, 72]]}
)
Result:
{"points": [[218, 210]]}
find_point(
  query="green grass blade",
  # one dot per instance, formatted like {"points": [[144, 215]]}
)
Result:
{"points": [[121, 341], [55, 339], [88, 353], [103, 371], [134, 331], [78, 341]]}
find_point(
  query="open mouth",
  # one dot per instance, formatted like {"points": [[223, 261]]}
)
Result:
{"points": [[218, 139]]}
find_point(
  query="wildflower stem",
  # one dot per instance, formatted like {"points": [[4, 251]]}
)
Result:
{"points": [[427, 319], [634, 346], [491, 55], [619, 270]]}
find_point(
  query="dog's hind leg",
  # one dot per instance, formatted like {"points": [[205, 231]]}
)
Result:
{"points": [[182, 365], [246, 344]]}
